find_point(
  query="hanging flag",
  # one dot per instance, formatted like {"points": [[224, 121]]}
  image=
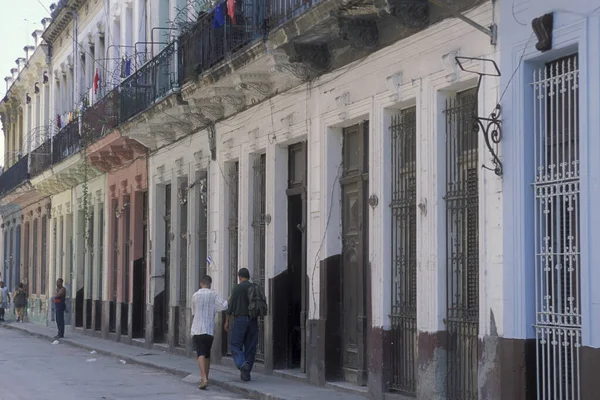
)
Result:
{"points": [[96, 81], [128, 67], [58, 121], [70, 117], [231, 10], [219, 20]]}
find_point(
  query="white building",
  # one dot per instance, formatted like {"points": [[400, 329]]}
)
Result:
{"points": [[550, 72]]}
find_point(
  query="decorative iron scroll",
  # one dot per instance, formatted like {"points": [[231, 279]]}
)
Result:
{"points": [[491, 128]]}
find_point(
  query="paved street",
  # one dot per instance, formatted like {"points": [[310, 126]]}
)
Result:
{"points": [[33, 368]]}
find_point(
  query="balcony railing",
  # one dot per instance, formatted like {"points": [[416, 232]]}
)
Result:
{"points": [[41, 158], [66, 143], [14, 176], [149, 83], [101, 117], [205, 45], [282, 11]]}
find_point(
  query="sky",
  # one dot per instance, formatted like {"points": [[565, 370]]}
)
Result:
{"points": [[18, 19]]}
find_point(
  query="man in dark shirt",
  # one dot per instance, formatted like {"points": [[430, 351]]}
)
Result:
{"points": [[244, 332], [60, 306]]}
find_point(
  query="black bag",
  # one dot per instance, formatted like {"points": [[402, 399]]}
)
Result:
{"points": [[257, 302]]}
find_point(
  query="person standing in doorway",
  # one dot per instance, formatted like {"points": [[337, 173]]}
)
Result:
{"points": [[60, 305], [4, 300], [20, 300], [244, 332], [205, 304]]}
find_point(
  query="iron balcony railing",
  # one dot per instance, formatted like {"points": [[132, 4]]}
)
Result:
{"points": [[150, 83], [207, 44], [281, 11], [41, 158], [101, 117], [66, 143], [14, 176]]}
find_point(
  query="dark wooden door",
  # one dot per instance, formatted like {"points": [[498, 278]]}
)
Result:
{"points": [[355, 180]]}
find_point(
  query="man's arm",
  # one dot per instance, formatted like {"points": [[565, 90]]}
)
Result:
{"points": [[194, 304], [220, 303]]}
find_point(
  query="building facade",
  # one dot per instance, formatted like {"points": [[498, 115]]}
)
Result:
{"points": [[550, 186], [403, 179]]}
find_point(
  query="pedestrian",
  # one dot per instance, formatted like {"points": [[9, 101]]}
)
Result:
{"points": [[205, 304], [60, 306], [20, 300], [246, 299], [4, 299]]}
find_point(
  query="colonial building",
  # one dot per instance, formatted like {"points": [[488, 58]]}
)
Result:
{"points": [[550, 188], [24, 210]]}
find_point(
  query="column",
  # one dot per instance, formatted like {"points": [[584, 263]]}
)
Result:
{"points": [[245, 245]]}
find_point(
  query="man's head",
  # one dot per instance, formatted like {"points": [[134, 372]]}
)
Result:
{"points": [[1, 284], [205, 282], [243, 274], [59, 282], [21, 286]]}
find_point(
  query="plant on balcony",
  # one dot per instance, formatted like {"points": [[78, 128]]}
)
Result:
{"points": [[56, 8]]}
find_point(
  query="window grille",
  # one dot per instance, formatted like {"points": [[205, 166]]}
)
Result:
{"points": [[259, 228], [404, 251], [462, 246], [557, 224]]}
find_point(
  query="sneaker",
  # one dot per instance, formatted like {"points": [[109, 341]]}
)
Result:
{"points": [[245, 372], [203, 386]]}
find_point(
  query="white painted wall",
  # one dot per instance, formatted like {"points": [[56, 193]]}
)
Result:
{"points": [[317, 117], [576, 27]]}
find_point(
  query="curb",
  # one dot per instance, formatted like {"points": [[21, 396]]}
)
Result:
{"points": [[252, 393]]}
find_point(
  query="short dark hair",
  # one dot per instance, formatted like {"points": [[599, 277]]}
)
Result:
{"points": [[244, 273], [206, 280], [21, 286]]}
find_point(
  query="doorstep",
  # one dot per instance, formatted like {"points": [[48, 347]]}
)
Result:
{"points": [[263, 387]]}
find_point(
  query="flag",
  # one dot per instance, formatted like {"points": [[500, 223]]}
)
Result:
{"points": [[128, 67], [219, 20], [96, 81], [58, 122], [231, 10]]}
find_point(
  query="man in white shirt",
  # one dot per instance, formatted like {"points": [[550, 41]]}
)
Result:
{"points": [[205, 304]]}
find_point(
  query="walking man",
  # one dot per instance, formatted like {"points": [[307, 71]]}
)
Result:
{"points": [[4, 299], [60, 306], [247, 303], [20, 300], [205, 304]]}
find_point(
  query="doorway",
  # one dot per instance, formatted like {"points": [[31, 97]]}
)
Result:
{"points": [[297, 283], [355, 250], [138, 322], [161, 301]]}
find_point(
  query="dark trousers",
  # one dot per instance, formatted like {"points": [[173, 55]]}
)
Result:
{"points": [[2, 313], [60, 319], [244, 337]]}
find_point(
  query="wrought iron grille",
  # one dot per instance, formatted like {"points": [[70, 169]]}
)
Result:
{"points": [[89, 282], [149, 84], [204, 46], [234, 171], [404, 251], [203, 223], [115, 260], [282, 11], [26, 253], [259, 227], [100, 250], [557, 224], [55, 245], [183, 244], [66, 143], [102, 116], [126, 247], [44, 260], [34, 269], [462, 246], [232, 228], [14, 176]]}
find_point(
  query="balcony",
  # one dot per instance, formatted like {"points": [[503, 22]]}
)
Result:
{"points": [[14, 176], [99, 119], [149, 84]]}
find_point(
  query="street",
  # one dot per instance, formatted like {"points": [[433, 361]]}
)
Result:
{"points": [[35, 369]]}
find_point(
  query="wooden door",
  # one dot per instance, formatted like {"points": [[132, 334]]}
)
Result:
{"points": [[354, 182]]}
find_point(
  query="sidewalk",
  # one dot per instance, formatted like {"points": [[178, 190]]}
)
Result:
{"points": [[263, 387]]}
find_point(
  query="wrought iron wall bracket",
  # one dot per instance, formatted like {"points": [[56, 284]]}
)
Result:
{"points": [[491, 128]]}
